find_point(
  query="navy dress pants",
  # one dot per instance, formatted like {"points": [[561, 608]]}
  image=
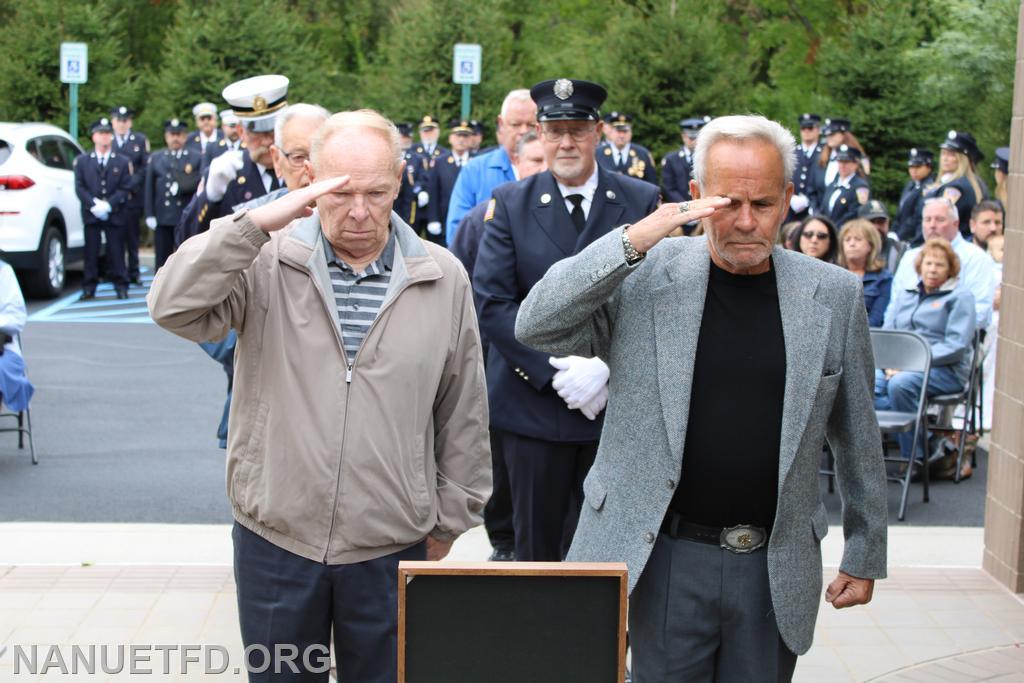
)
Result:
{"points": [[288, 604], [94, 233]]}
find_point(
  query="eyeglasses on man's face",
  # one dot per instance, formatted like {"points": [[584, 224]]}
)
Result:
{"points": [[555, 133]]}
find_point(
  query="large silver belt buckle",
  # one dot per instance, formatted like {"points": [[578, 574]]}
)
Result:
{"points": [[742, 538]]}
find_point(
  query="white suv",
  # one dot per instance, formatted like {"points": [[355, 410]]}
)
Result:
{"points": [[40, 215]]}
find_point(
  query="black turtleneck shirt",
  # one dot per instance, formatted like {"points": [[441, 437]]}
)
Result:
{"points": [[730, 470]]}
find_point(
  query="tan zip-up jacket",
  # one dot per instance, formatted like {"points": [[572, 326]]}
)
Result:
{"points": [[338, 464]]}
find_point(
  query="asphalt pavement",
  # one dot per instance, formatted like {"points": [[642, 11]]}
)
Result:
{"points": [[125, 416]]}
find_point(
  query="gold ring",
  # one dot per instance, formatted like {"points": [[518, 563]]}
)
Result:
{"points": [[684, 207]]}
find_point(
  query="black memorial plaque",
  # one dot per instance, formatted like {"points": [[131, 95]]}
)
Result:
{"points": [[511, 623]]}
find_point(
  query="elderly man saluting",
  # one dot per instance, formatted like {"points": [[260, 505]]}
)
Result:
{"points": [[731, 363], [352, 444]]}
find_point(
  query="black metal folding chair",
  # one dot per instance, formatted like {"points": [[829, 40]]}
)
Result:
{"points": [[909, 352], [965, 400]]}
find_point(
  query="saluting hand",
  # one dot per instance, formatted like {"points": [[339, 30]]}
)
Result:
{"points": [[644, 234], [293, 204]]}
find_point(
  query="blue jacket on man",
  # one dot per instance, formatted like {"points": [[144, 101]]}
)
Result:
{"points": [[478, 178]]}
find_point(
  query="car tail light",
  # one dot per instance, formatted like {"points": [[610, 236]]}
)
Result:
{"points": [[16, 182]]}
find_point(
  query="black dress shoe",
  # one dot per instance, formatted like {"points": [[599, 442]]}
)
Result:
{"points": [[122, 293], [500, 555], [87, 296]]}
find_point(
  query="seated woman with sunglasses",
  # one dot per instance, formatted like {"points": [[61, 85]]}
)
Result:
{"points": [[817, 237], [941, 312]]}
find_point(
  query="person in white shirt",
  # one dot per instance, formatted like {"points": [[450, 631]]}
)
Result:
{"points": [[941, 219], [15, 388]]}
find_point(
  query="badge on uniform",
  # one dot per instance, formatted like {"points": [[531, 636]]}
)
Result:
{"points": [[241, 180], [451, 160], [607, 151], [136, 148], [863, 193], [248, 196], [952, 194], [188, 168], [489, 215]]}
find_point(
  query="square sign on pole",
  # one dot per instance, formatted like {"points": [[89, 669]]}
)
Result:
{"points": [[74, 62], [466, 65]]}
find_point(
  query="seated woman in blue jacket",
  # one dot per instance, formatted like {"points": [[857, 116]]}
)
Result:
{"points": [[15, 389], [942, 313], [860, 252]]}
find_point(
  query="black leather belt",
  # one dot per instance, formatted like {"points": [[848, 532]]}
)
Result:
{"points": [[743, 538]]}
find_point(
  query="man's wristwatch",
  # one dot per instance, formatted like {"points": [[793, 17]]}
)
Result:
{"points": [[632, 255]]}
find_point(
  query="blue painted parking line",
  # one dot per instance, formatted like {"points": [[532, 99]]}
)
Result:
{"points": [[105, 308]]}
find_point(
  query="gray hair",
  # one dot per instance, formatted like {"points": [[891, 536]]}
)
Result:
{"points": [[954, 214], [360, 118], [525, 139], [520, 95], [743, 129], [299, 109]]}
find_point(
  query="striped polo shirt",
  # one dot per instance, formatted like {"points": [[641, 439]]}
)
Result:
{"points": [[359, 296]]}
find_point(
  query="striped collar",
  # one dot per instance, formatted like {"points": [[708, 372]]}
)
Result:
{"points": [[384, 262]]}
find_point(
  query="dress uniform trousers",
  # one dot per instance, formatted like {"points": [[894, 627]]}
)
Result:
{"points": [[116, 272]]}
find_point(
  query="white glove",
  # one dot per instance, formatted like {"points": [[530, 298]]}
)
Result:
{"points": [[578, 379], [223, 170], [434, 227], [95, 210], [798, 202], [103, 205], [593, 409], [422, 198], [174, 188], [151, 222]]}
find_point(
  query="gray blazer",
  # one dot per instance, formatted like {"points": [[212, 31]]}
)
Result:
{"points": [[644, 320]]}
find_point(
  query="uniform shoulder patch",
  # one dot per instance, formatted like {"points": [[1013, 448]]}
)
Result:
{"points": [[953, 194], [489, 214], [863, 194]]}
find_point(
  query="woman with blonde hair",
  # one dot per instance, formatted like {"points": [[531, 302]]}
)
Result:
{"points": [[958, 181], [1001, 171], [860, 248]]}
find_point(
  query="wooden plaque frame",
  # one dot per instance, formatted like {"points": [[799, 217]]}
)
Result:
{"points": [[409, 570]]}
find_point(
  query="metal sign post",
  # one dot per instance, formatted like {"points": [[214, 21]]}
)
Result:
{"points": [[467, 64], [74, 70]]}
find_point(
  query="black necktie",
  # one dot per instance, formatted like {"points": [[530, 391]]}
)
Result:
{"points": [[274, 184], [578, 219]]}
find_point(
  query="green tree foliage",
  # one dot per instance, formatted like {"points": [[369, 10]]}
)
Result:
{"points": [[904, 72], [663, 65], [30, 87], [970, 72], [412, 75], [871, 73], [209, 45]]}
